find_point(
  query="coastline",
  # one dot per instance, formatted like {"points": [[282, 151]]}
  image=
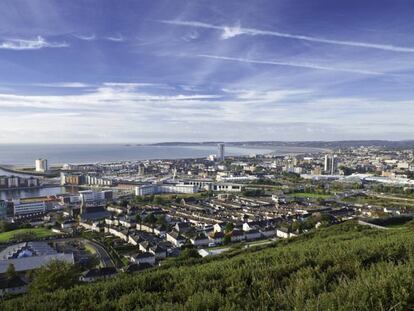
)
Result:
{"points": [[13, 159], [11, 169]]}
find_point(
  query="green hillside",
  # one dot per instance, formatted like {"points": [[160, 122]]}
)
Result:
{"points": [[344, 267]]}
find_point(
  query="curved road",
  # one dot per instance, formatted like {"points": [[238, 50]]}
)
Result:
{"points": [[103, 255], [101, 252]]}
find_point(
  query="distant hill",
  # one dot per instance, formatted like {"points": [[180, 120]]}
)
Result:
{"points": [[315, 144], [344, 267]]}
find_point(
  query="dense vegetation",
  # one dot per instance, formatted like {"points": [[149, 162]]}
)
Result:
{"points": [[343, 267]]}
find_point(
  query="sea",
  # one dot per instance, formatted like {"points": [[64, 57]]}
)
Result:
{"points": [[25, 155]]}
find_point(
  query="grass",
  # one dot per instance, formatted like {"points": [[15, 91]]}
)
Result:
{"points": [[35, 232], [310, 195], [90, 249]]}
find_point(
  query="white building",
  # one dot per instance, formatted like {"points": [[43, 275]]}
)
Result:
{"points": [[13, 181], [41, 165], [94, 198], [165, 188], [227, 187], [28, 207]]}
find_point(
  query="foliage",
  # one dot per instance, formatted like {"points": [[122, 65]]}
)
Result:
{"points": [[229, 227], [253, 192], [188, 253], [343, 267], [9, 226], [227, 239], [150, 219], [11, 272], [55, 275], [390, 221]]}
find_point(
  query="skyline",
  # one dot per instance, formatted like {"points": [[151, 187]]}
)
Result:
{"points": [[144, 72]]}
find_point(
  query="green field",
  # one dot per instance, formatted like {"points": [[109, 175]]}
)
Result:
{"points": [[310, 195], [36, 233]]}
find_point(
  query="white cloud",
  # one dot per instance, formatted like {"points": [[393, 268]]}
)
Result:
{"points": [[229, 32], [35, 44], [117, 112], [290, 64]]}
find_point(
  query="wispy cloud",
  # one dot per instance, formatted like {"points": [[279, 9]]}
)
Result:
{"points": [[116, 38], [230, 32], [63, 84], [290, 64], [85, 37], [35, 44], [193, 35], [130, 84]]}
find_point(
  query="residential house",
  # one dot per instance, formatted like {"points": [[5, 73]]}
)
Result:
{"points": [[96, 274], [237, 236], [200, 240], [158, 251], [175, 238], [216, 237], [182, 227], [252, 234], [142, 258]]}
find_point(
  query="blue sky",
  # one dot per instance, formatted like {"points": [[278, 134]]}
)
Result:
{"points": [[148, 71]]}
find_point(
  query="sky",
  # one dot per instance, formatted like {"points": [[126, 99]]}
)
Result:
{"points": [[100, 71]]}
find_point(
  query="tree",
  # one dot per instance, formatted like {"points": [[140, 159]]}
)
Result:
{"points": [[157, 200], [161, 221], [229, 227], [5, 226], [150, 219], [53, 276], [138, 219], [189, 253], [11, 272]]}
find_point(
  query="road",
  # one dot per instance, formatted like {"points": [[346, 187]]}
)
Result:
{"points": [[101, 252], [364, 223]]}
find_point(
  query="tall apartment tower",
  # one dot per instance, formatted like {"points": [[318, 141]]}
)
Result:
{"points": [[334, 165], [141, 169], [41, 165], [327, 162], [330, 164], [221, 152]]}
